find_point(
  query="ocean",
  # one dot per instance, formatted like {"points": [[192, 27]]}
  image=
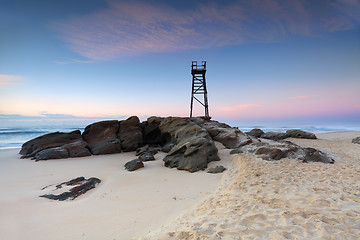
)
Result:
{"points": [[14, 137]]}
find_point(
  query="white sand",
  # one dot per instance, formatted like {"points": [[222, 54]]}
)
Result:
{"points": [[281, 199], [124, 205], [253, 199]]}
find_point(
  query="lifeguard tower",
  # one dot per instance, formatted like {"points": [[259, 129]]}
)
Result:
{"points": [[199, 86]]}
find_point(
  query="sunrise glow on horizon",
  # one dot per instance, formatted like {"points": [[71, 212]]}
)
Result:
{"points": [[266, 60]]}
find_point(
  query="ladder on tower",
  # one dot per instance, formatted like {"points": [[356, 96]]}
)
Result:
{"points": [[199, 86]]}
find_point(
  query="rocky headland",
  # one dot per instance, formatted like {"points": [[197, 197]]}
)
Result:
{"points": [[188, 142]]}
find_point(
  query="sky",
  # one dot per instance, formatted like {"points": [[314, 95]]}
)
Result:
{"points": [[267, 61]]}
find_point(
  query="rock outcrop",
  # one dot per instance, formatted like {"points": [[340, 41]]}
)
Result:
{"points": [[275, 150], [230, 137], [130, 134], [193, 146], [79, 186], [188, 142], [102, 137], [51, 140]]}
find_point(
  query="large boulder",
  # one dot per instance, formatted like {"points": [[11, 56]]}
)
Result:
{"points": [[193, 147], [77, 148], [52, 153], [51, 140], [256, 132], [230, 137], [151, 132], [130, 134], [102, 137], [296, 133]]}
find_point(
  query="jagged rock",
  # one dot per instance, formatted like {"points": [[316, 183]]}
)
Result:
{"points": [[52, 153], [152, 149], [193, 148], [230, 137], [102, 137], [356, 140], [130, 134], [217, 169], [51, 140], [146, 156], [276, 150], [256, 132], [134, 165], [81, 186], [296, 133], [151, 132], [167, 147], [275, 135]]}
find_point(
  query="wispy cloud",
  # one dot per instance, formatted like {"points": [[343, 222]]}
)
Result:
{"points": [[239, 107], [132, 28], [7, 80], [298, 97], [74, 61], [357, 106]]}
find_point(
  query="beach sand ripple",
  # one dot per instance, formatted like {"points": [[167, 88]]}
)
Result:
{"points": [[281, 199]]}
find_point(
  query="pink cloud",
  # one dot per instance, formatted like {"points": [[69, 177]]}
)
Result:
{"points": [[133, 28], [357, 106]]}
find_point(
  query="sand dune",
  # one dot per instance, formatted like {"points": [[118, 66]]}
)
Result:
{"points": [[281, 199]]}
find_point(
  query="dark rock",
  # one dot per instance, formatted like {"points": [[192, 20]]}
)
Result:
{"points": [[52, 153], [78, 148], [193, 148], [217, 169], [256, 132], [130, 134], [102, 137], [356, 140], [146, 156], [134, 165], [51, 140], [81, 186], [296, 133], [269, 153], [314, 155], [151, 132], [167, 147], [151, 149], [230, 137], [275, 135]]}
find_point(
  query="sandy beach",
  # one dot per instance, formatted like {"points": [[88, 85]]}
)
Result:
{"points": [[253, 199]]}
